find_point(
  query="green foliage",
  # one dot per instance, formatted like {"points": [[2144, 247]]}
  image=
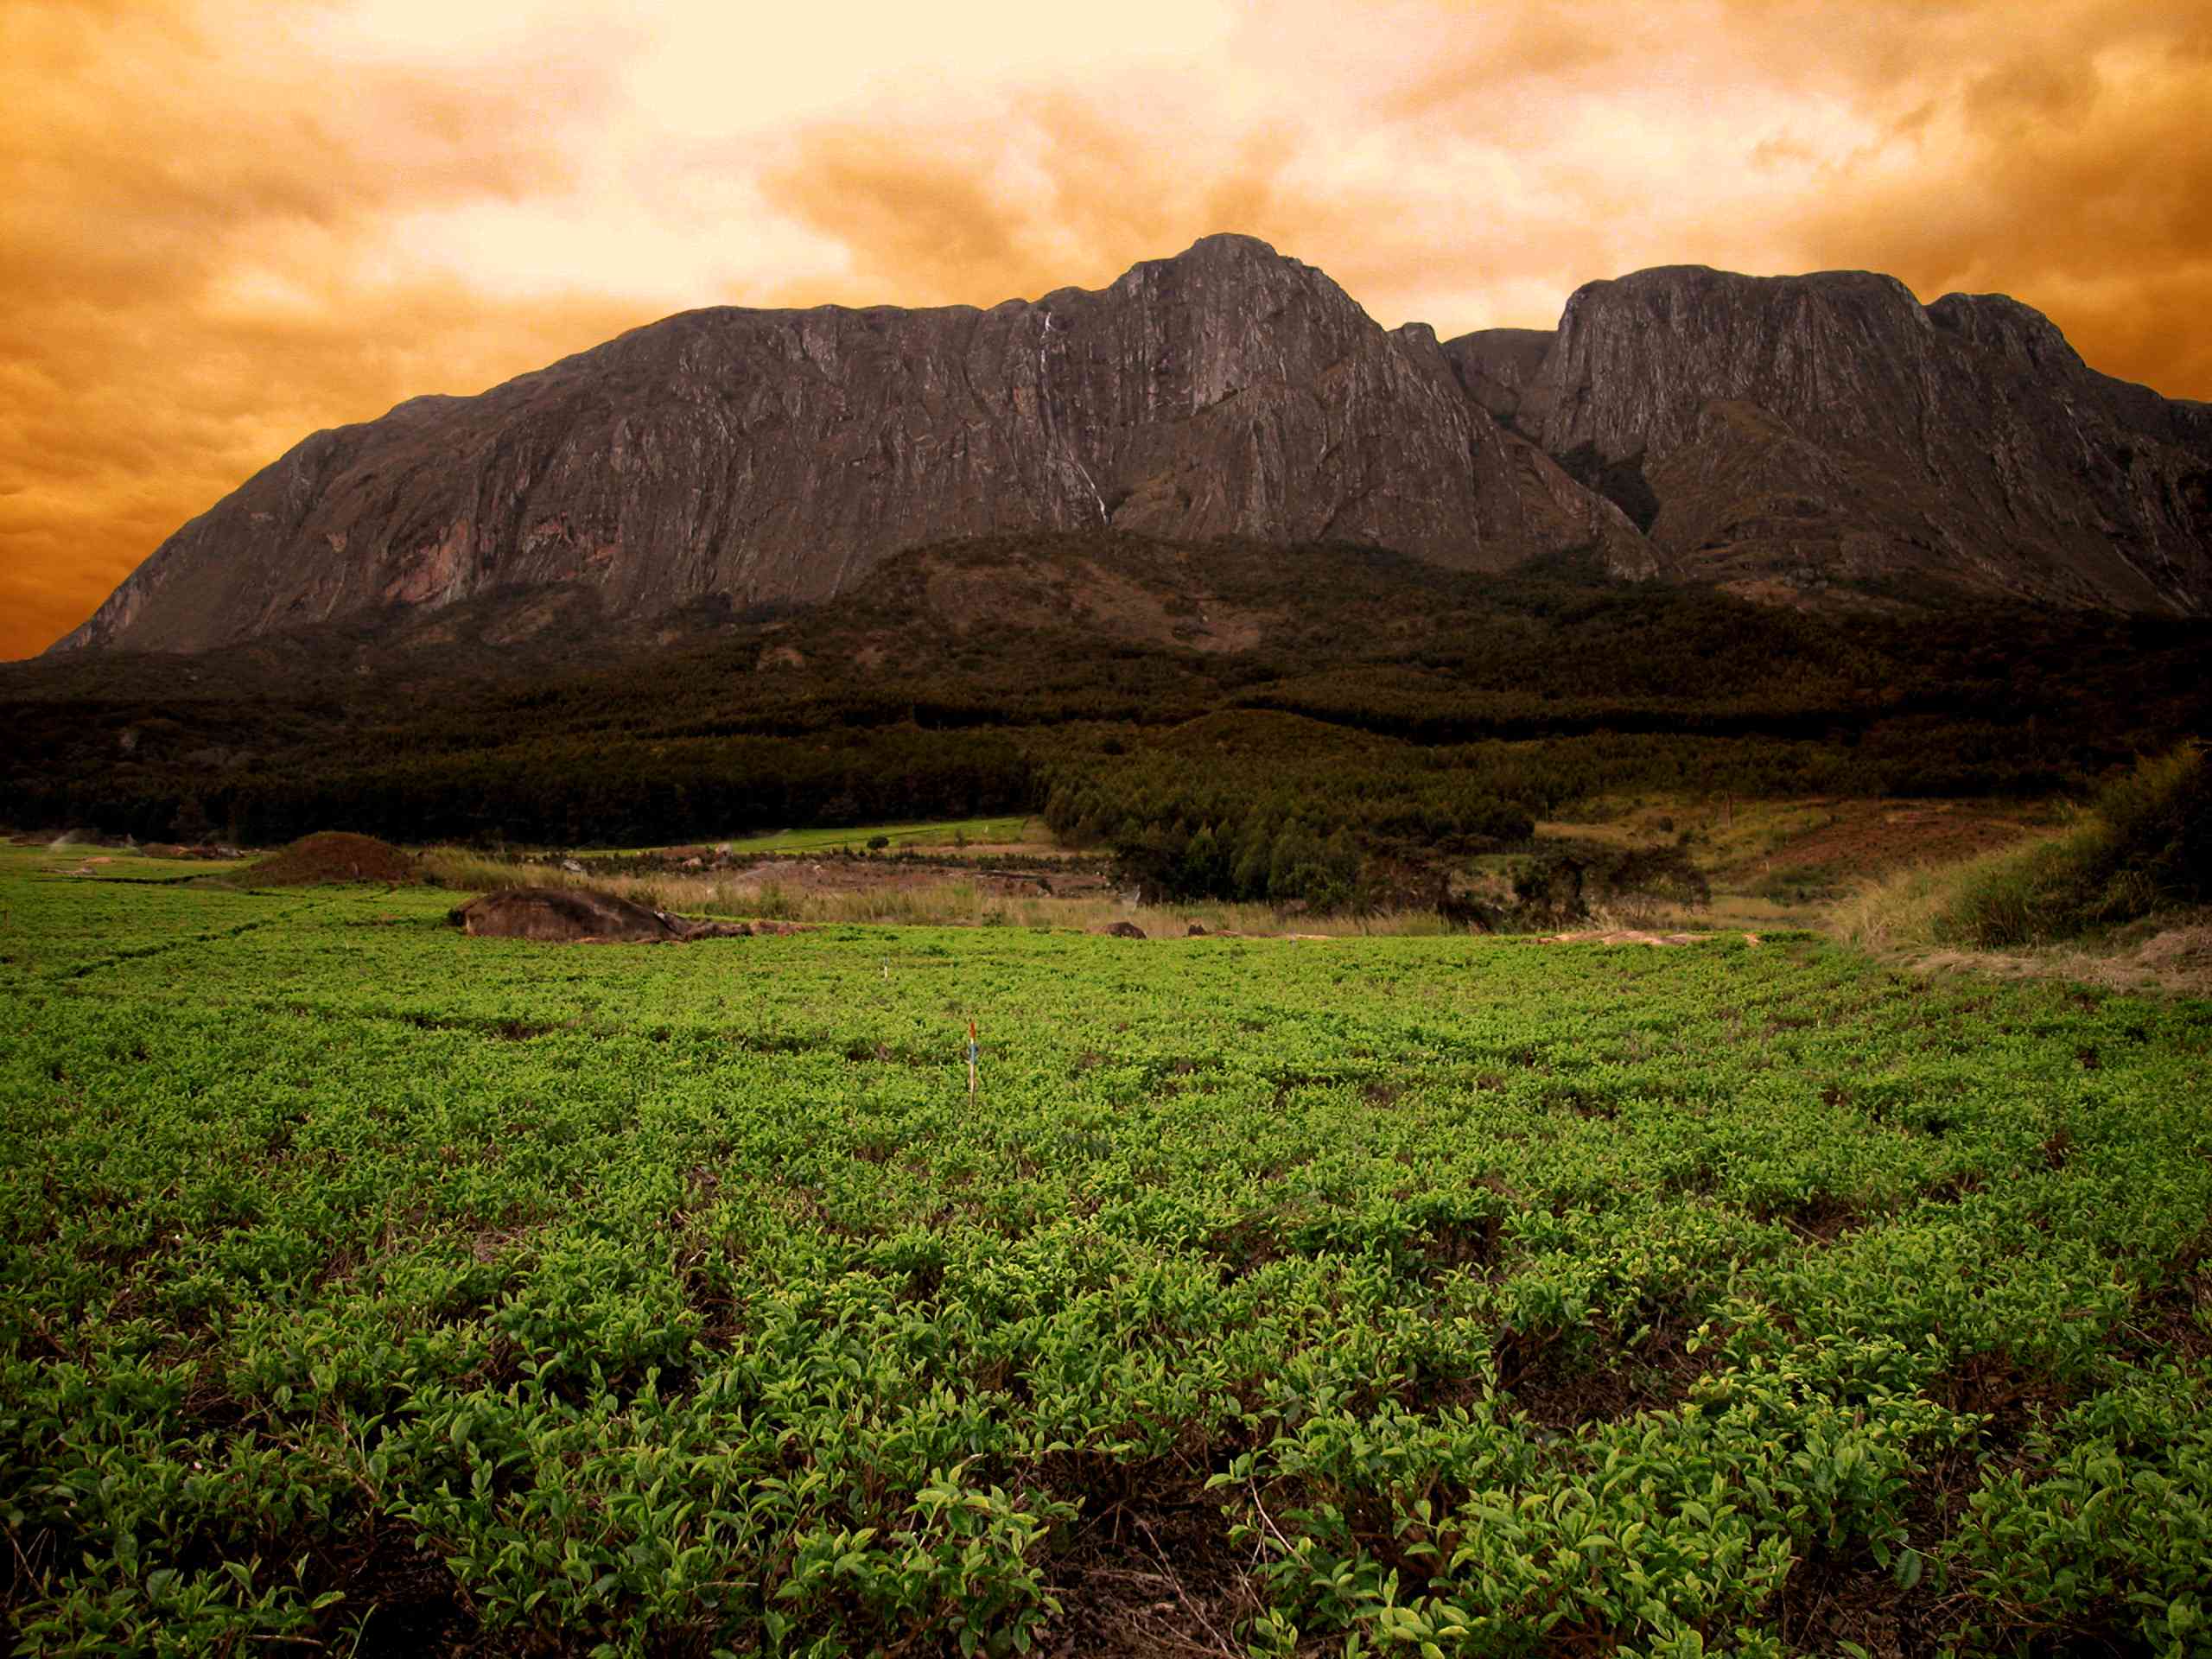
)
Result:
{"points": [[2105, 1540], [1276, 807], [1432, 683], [358, 1278]]}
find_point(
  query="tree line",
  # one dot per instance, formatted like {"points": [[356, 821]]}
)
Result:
{"points": [[1377, 707]]}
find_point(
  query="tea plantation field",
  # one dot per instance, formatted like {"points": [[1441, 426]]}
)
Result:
{"points": [[367, 1287]]}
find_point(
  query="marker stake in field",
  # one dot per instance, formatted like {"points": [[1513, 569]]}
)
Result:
{"points": [[971, 1062]]}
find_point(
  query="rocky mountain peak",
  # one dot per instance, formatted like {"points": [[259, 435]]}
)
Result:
{"points": [[1637, 357], [1999, 325], [1793, 437], [775, 456], [1231, 248]]}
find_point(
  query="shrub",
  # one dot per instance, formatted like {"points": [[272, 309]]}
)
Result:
{"points": [[1567, 884], [2161, 815]]}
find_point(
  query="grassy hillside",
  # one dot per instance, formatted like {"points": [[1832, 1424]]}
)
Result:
{"points": [[2115, 896], [2145, 845]]}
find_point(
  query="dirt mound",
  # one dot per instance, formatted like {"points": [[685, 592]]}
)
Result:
{"points": [[576, 915], [2184, 949], [1625, 936], [332, 856], [1124, 930]]}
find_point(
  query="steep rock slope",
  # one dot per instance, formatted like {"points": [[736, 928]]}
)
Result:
{"points": [[1783, 435], [775, 456]]}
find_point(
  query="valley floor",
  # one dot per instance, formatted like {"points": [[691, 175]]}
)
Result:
{"points": [[363, 1284]]}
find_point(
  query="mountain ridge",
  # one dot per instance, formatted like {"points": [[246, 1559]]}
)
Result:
{"points": [[1800, 440], [1832, 423]]}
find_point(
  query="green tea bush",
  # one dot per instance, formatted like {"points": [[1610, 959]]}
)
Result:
{"points": [[368, 1286], [2108, 1540]]}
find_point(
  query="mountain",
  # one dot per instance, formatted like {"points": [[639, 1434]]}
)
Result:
{"points": [[1798, 439], [1782, 436], [774, 456]]}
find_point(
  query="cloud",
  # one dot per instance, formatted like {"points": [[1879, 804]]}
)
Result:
{"points": [[1052, 188], [190, 270], [2084, 187], [224, 223]]}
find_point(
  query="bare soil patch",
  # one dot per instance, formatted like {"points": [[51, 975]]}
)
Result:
{"points": [[1148, 1568], [1864, 838], [579, 916], [1834, 1597], [336, 857], [1561, 1389], [412, 1602]]}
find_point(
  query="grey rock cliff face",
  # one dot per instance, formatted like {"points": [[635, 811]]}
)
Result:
{"points": [[1784, 434], [1494, 365], [776, 454]]}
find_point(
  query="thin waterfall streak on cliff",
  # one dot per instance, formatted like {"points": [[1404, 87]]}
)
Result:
{"points": [[1051, 435]]}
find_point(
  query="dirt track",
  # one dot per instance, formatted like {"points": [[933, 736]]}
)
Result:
{"points": [[1031, 876]]}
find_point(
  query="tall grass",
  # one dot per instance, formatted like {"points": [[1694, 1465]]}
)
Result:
{"points": [[1903, 910], [2146, 846]]}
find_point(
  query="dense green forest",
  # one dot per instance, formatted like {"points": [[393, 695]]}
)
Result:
{"points": [[1234, 719]]}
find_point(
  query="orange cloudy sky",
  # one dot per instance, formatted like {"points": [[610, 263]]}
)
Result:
{"points": [[224, 223]]}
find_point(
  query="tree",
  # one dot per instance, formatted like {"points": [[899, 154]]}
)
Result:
{"points": [[190, 824]]}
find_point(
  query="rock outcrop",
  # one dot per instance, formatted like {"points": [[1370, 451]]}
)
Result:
{"points": [[775, 456], [1785, 435]]}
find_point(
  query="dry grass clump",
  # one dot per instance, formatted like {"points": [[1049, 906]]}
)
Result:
{"points": [[1903, 910], [473, 871], [2169, 954]]}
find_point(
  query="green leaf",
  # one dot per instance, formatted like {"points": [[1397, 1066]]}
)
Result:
{"points": [[1908, 1568]]}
